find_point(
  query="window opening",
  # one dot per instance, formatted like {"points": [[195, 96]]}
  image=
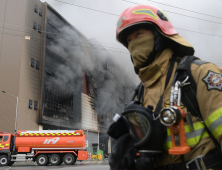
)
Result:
{"points": [[36, 105], [36, 9], [39, 29], [40, 12], [34, 25], [32, 62], [37, 65], [30, 104], [0, 139]]}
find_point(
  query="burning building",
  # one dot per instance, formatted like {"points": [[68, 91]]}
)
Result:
{"points": [[62, 79]]}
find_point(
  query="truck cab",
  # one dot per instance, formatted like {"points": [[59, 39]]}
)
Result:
{"points": [[5, 147]]}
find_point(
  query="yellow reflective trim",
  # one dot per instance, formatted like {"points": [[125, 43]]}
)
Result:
{"points": [[169, 145], [168, 131], [214, 116], [197, 125], [153, 15], [204, 135], [7, 144], [217, 132]]}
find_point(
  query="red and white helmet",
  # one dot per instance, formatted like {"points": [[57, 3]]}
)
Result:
{"points": [[144, 14]]}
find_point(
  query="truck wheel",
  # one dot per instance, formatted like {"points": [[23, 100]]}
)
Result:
{"points": [[75, 159], [4, 160], [42, 160], [69, 159], [54, 159]]}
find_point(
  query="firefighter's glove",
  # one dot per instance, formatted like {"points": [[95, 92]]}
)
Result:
{"points": [[117, 129], [122, 150]]}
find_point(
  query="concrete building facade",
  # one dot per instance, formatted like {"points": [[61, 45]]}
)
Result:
{"points": [[40, 64]]}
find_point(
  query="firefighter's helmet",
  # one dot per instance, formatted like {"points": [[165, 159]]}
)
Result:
{"points": [[144, 14]]}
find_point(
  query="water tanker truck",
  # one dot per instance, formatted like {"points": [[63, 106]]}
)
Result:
{"points": [[45, 147]]}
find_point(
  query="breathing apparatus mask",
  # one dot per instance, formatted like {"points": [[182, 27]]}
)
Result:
{"points": [[148, 134]]}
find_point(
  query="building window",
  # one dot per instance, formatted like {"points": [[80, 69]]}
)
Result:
{"points": [[36, 9], [36, 105], [30, 104], [37, 65], [34, 25], [32, 62], [40, 12], [39, 29]]}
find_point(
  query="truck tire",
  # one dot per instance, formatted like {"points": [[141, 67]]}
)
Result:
{"points": [[69, 159], [4, 160], [54, 159], [42, 160]]}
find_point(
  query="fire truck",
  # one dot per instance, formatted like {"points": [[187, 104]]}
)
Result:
{"points": [[45, 147]]}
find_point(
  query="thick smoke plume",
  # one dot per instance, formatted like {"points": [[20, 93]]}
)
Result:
{"points": [[79, 55]]}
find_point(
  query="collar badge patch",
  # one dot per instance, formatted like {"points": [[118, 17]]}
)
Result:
{"points": [[213, 81]]}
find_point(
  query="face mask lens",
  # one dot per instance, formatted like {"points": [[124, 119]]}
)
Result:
{"points": [[138, 124]]}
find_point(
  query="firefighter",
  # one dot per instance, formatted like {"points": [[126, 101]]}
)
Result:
{"points": [[153, 43]]}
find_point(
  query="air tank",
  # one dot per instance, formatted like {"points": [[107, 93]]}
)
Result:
{"points": [[50, 140]]}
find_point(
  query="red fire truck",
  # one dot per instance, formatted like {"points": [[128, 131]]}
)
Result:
{"points": [[45, 147]]}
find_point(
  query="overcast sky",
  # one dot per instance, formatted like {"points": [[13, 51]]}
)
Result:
{"points": [[102, 26]]}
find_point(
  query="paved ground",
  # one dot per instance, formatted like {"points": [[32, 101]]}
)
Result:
{"points": [[85, 165]]}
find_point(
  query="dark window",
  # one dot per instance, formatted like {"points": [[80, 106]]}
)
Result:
{"points": [[5, 138], [39, 29], [40, 12], [0, 139], [32, 62], [35, 26], [49, 37], [36, 9], [30, 104], [36, 105], [37, 65]]}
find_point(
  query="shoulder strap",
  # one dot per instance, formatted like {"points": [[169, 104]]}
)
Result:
{"points": [[169, 74], [189, 91]]}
